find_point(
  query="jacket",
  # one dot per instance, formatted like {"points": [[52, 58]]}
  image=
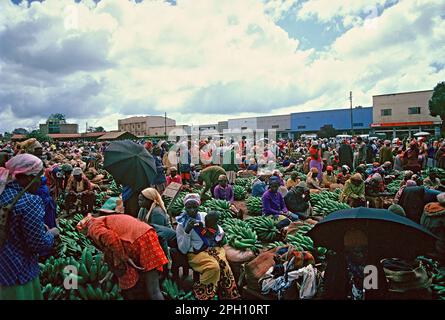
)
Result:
{"points": [[433, 219], [192, 242], [413, 202], [294, 200]]}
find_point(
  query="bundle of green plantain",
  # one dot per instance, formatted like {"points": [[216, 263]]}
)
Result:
{"points": [[101, 197], [326, 206], [115, 189], [324, 195], [222, 206], [240, 235], [275, 244], [171, 291], [239, 193], [438, 171], [68, 278], [71, 242], [264, 227], [437, 273], [177, 206], [300, 242], [254, 206], [246, 183], [394, 186]]}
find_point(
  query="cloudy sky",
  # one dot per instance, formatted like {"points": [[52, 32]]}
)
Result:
{"points": [[204, 61]]}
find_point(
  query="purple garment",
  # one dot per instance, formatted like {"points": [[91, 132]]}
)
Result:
{"points": [[319, 166], [273, 203], [226, 193]]}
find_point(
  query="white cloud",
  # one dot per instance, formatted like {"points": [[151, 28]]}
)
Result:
{"points": [[204, 61], [351, 12]]}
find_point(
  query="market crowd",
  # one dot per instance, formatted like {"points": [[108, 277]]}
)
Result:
{"points": [[45, 181]]}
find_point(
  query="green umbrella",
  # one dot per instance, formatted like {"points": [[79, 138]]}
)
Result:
{"points": [[130, 164]]}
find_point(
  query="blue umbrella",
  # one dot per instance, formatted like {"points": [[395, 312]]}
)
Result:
{"points": [[389, 234]]}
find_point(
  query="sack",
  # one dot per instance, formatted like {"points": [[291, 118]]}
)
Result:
{"points": [[238, 256], [256, 268], [302, 259], [405, 276]]}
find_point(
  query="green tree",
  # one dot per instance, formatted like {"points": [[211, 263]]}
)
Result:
{"points": [[39, 136], [437, 104], [327, 131], [99, 129]]}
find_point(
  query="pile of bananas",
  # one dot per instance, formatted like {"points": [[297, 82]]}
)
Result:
{"points": [[171, 291], [177, 206], [275, 244], [222, 206], [240, 235], [316, 198], [438, 276], [71, 242], [254, 206], [438, 171], [326, 206], [300, 242], [90, 271], [246, 183], [264, 227], [115, 189], [239, 193], [394, 186], [101, 197]]}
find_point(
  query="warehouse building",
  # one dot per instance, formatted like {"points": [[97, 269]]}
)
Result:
{"points": [[339, 119]]}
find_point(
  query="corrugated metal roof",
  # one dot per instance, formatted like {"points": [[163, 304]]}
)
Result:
{"points": [[65, 135], [114, 135]]}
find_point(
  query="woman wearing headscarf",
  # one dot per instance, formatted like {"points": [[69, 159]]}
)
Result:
{"points": [[354, 192], [131, 249], [26, 236], [433, 219], [154, 213], [201, 240], [316, 160]]}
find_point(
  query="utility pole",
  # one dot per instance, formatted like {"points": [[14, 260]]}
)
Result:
{"points": [[352, 123], [165, 125]]}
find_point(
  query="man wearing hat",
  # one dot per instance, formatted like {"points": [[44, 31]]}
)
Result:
{"points": [[274, 205], [174, 176], [328, 177], [297, 200], [80, 187]]}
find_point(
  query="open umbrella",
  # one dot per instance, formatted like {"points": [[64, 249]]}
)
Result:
{"points": [[390, 235], [130, 164], [422, 134]]}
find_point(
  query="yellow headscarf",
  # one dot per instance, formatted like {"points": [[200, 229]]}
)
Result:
{"points": [[153, 195]]}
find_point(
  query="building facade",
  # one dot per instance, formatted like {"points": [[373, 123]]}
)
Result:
{"points": [[402, 114], [144, 126], [63, 128], [339, 119]]}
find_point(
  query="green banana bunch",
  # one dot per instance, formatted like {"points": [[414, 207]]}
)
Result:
{"points": [[264, 227], [254, 206], [327, 206], [300, 242], [239, 193], [172, 291], [240, 235], [394, 186], [316, 198]]}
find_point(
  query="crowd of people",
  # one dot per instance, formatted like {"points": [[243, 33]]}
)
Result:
{"points": [[38, 177]]}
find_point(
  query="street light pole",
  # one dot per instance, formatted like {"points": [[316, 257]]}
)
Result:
{"points": [[352, 123]]}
